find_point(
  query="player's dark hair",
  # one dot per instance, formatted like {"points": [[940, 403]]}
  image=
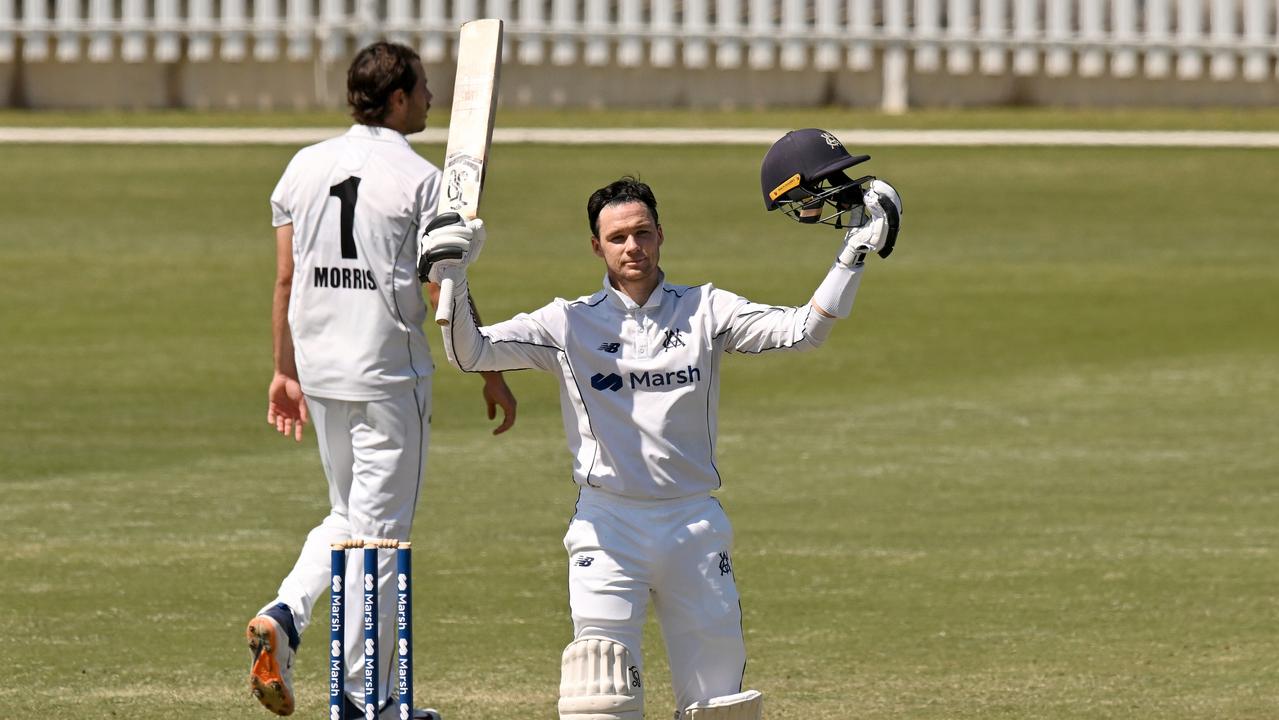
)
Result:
{"points": [[377, 71], [628, 189]]}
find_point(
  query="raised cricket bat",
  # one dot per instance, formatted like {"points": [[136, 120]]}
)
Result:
{"points": [[479, 60]]}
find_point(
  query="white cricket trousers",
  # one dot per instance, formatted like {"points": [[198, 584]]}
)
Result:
{"points": [[623, 552], [374, 454]]}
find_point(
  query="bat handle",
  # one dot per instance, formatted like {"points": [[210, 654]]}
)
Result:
{"points": [[444, 308]]}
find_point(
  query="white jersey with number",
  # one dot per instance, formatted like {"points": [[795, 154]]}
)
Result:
{"points": [[357, 203], [639, 385]]}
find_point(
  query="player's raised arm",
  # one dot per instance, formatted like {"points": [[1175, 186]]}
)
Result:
{"points": [[803, 175], [517, 344], [497, 394]]}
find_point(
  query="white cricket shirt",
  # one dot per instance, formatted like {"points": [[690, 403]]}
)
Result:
{"points": [[356, 310], [639, 385]]}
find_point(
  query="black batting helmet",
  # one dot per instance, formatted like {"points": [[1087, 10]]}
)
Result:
{"points": [[804, 171]]}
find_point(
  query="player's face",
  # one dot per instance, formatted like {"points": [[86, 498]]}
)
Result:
{"points": [[629, 241], [418, 102]]}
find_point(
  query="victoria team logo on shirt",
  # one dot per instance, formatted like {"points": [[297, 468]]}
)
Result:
{"points": [[672, 339], [725, 565]]}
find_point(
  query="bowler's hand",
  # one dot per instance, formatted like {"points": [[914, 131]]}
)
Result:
{"points": [[498, 394], [286, 406]]}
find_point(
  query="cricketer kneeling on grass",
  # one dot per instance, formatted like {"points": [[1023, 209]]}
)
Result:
{"points": [[638, 363]]}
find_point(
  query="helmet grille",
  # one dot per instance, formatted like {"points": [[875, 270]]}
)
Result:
{"points": [[831, 203]]}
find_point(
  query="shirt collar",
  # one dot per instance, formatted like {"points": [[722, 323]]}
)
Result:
{"points": [[622, 300], [377, 132]]}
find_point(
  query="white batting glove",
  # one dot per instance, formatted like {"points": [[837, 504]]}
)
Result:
{"points": [[450, 245], [884, 190], [879, 235]]}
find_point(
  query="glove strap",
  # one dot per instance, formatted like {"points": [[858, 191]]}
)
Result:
{"points": [[849, 257], [439, 221]]}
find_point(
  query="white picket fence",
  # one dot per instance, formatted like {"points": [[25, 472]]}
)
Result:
{"points": [[1190, 39]]}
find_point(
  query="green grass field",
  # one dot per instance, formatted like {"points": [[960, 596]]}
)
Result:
{"points": [[1034, 476]]}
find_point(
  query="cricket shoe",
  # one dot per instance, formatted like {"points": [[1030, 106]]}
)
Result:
{"points": [[273, 640]]}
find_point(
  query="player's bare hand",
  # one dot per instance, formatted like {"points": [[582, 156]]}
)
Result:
{"points": [[286, 406], [498, 394]]}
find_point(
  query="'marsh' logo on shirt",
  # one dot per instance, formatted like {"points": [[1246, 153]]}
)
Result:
{"points": [[647, 380], [349, 278], [602, 382], [665, 379]]}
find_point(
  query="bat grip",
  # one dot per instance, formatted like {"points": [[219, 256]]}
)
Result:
{"points": [[444, 308]]}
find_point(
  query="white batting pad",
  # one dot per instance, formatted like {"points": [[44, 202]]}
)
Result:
{"points": [[747, 705], [600, 681]]}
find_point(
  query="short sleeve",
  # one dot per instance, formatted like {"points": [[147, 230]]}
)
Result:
{"points": [[429, 199], [282, 198]]}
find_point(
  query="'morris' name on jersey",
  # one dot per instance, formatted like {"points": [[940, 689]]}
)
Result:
{"points": [[340, 277], [355, 204]]}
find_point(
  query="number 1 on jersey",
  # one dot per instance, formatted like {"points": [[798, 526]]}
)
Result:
{"points": [[346, 192]]}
